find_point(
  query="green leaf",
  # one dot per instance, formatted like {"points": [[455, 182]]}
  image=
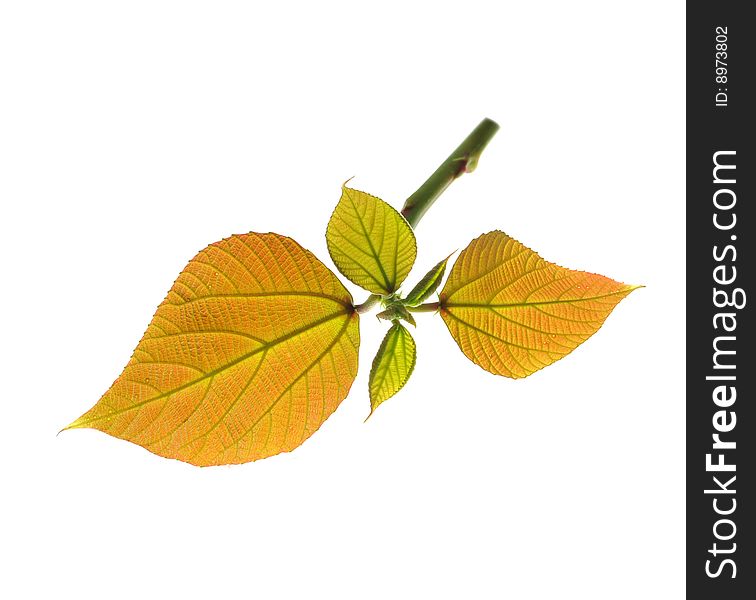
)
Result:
{"points": [[370, 242], [392, 366], [427, 285]]}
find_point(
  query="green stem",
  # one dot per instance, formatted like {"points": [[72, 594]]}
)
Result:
{"points": [[369, 303], [429, 307], [463, 160]]}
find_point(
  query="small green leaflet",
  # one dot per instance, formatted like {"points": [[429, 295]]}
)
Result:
{"points": [[392, 366], [427, 285]]}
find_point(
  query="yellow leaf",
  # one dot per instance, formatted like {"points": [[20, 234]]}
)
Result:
{"points": [[392, 365], [513, 313], [253, 348], [370, 242]]}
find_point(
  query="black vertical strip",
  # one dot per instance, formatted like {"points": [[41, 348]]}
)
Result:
{"points": [[721, 367]]}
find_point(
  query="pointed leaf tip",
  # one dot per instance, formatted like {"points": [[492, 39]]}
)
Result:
{"points": [[513, 313]]}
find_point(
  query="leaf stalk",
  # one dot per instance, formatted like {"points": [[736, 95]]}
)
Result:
{"points": [[429, 307], [369, 303]]}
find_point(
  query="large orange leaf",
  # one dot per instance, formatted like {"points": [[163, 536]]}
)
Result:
{"points": [[513, 313], [253, 348]]}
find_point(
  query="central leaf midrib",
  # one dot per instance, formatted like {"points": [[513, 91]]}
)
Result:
{"points": [[262, 348], [333, 299], [389, 286], [521, 304]]}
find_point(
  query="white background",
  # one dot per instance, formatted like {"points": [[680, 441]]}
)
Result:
{"points": [[133, 134]]}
